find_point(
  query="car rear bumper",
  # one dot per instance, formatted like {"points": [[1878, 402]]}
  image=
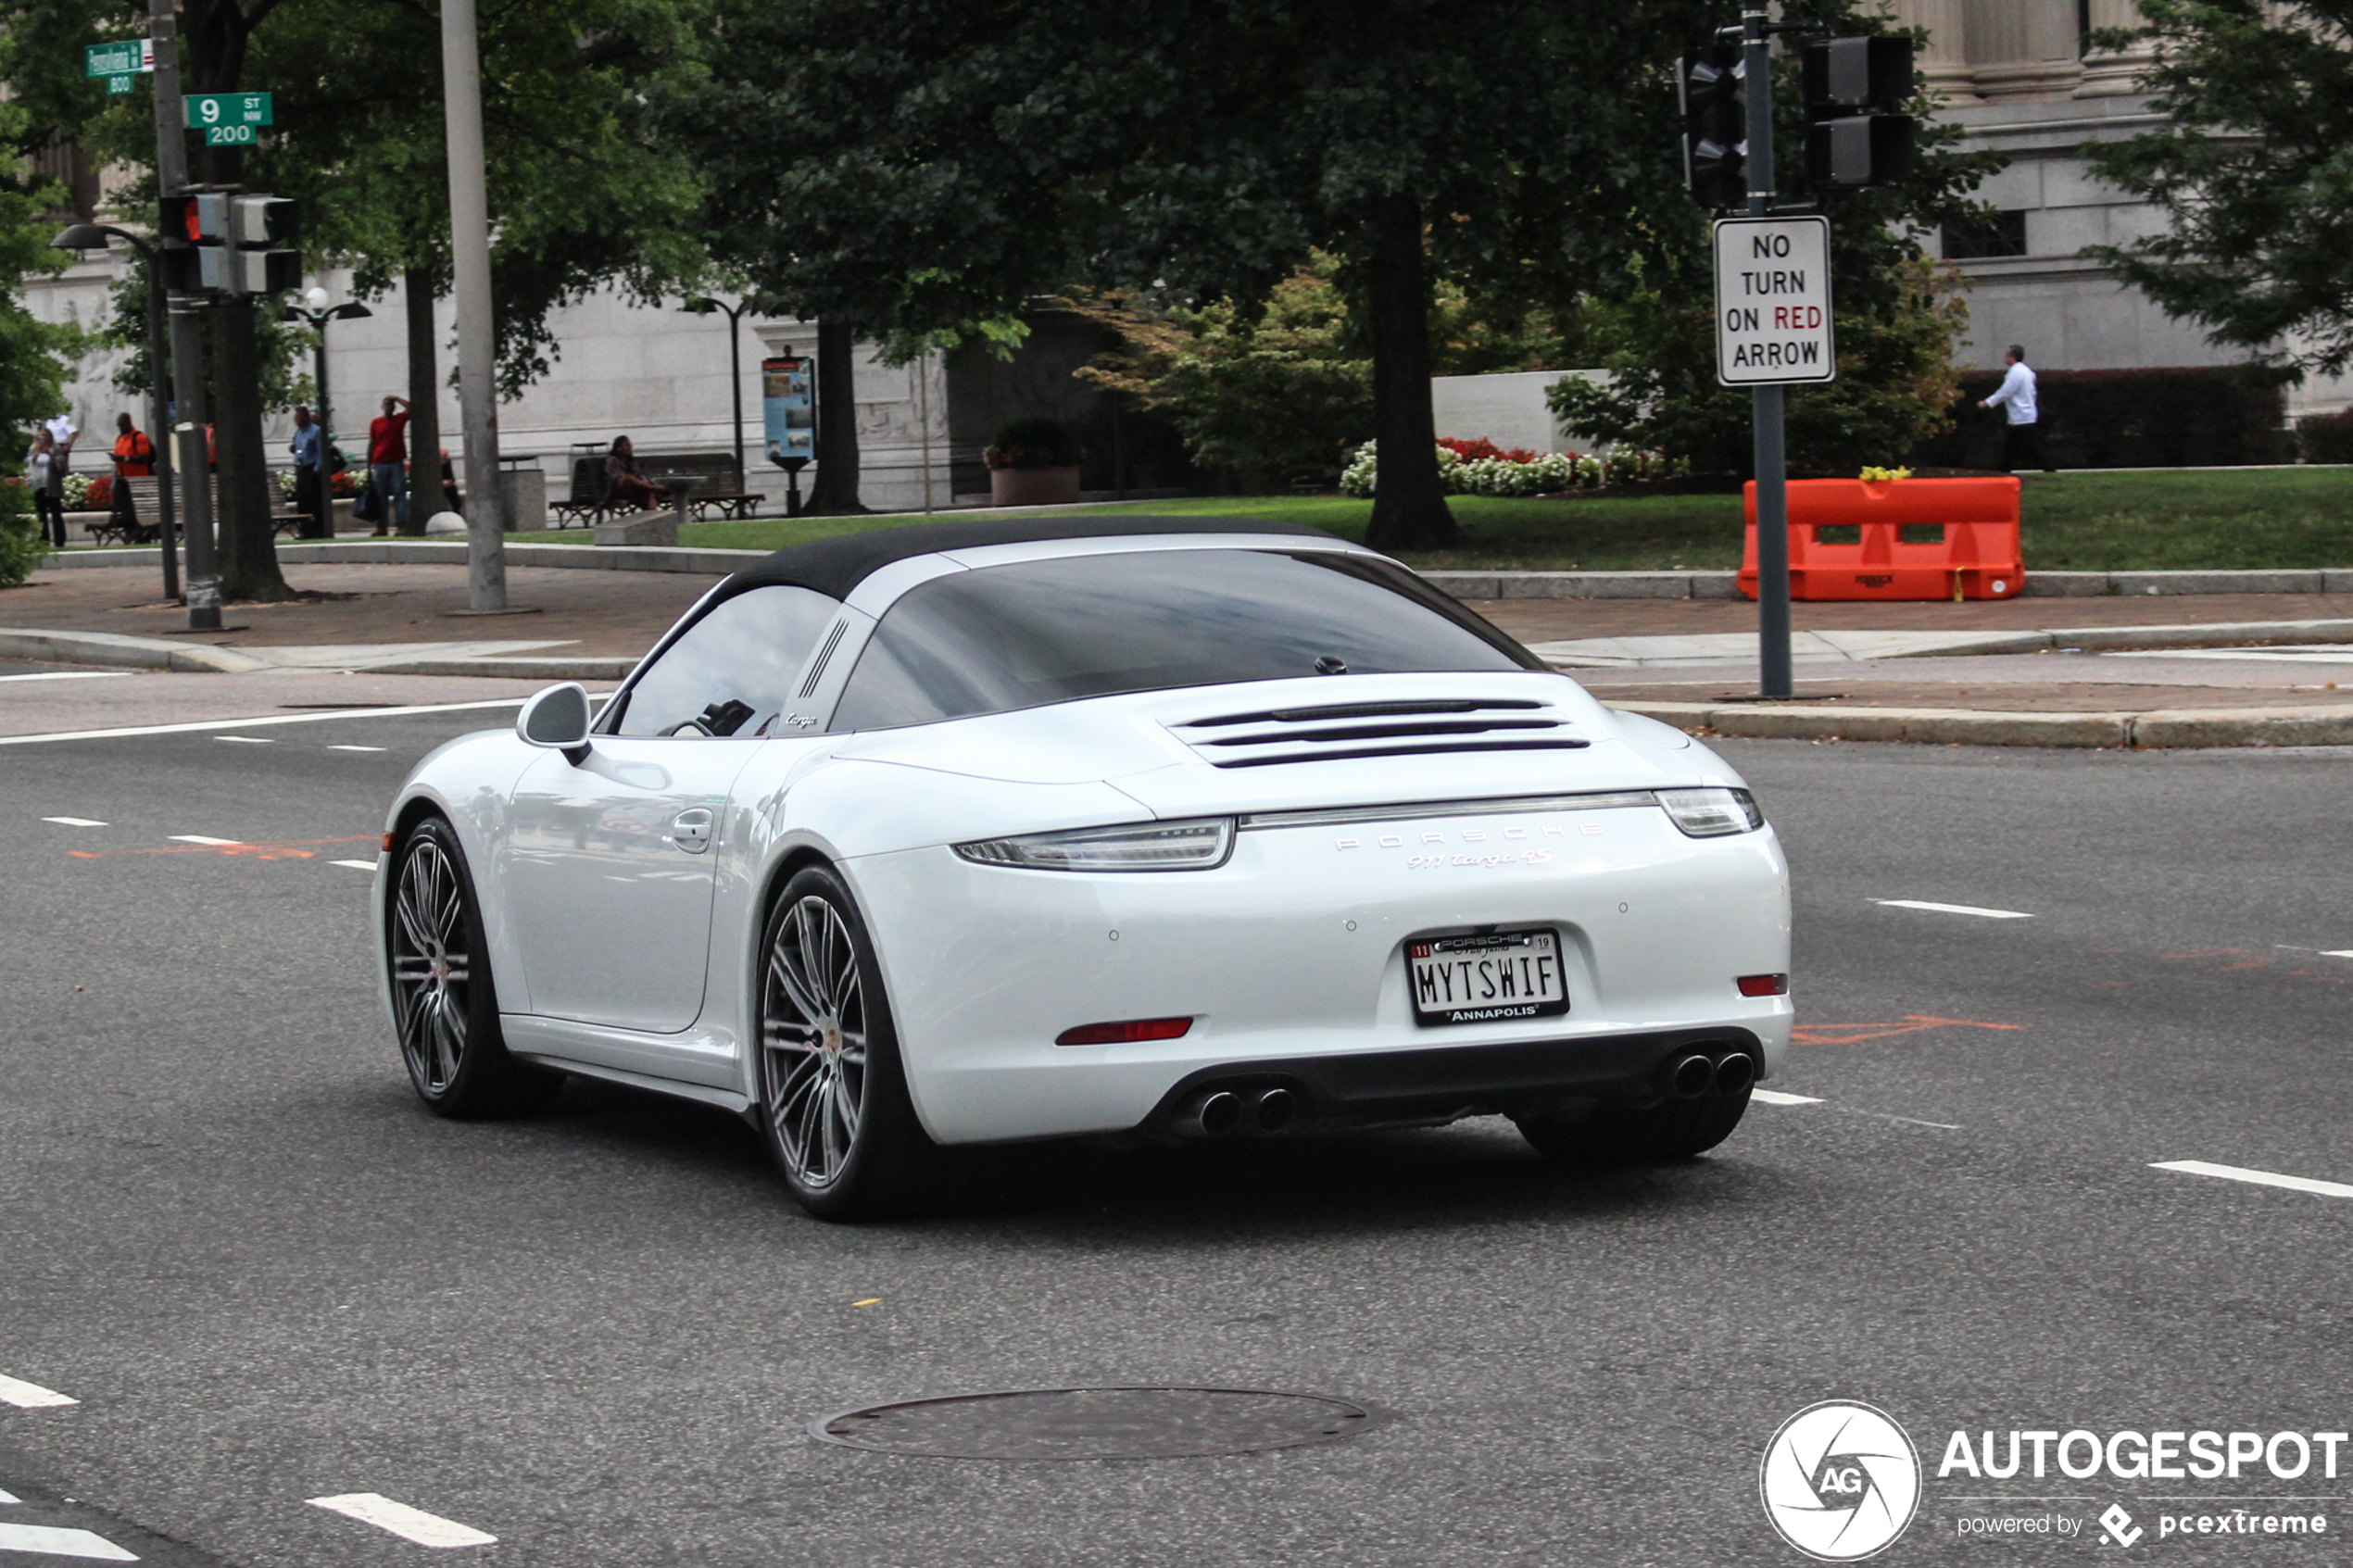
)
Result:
{"points": [[1512, 1078]]}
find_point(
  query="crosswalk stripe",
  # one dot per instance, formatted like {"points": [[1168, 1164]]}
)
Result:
{"points": [[30, 1395], [53, 1541], [410, 1523]]}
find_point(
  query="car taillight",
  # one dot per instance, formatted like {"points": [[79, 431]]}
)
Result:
{"points": [[1713, 811], [1124, 1034], [1197, 845], [1764, 984]]}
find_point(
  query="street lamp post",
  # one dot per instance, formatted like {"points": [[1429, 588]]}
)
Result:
{"points": [[317, 317], [703, 305], [92, 236]]}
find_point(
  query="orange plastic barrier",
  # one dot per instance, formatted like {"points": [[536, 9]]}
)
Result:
{"points": [[1899, 539]]}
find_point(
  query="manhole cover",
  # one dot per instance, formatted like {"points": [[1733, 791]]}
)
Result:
{"points": [[1098, 1423]]}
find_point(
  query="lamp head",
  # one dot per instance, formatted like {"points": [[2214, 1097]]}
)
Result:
{"points": [[317, 297], [81, 236]]}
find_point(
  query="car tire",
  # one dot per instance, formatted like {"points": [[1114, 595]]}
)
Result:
{"points": [[1625, 1135], [445, 1000], [834, 1108]]}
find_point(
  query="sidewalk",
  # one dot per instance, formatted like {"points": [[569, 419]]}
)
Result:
{"points": [[2208, 669]]}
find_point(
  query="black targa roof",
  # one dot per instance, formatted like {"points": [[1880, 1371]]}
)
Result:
{"points": [[838, 565]]}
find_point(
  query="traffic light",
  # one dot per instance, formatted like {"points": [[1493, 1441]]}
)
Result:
{"points": [[1713, 83], [1849, 145], [235, 239]]}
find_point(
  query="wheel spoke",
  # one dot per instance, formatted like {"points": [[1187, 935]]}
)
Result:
{"points": [[787, 976]]}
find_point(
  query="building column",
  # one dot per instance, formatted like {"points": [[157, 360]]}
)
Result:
{"points": [[2109, 73], [1945, 59]]}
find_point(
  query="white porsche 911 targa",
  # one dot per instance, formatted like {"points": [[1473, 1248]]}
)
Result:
{"points": [[977, 832]]}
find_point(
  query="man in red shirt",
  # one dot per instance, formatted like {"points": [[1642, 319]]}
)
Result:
{"points": [[388, 464]]}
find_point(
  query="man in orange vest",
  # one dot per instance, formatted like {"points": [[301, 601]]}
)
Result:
{"points": [[134, 457]]}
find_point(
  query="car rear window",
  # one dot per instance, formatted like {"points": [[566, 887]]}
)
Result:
{"points": [[1006, 637]]}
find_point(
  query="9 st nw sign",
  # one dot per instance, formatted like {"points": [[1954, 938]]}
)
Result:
{"points": [[1773, 301]]}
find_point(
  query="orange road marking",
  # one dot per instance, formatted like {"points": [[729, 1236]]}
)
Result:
{"points": [[1855, 1034], [294, 849]]}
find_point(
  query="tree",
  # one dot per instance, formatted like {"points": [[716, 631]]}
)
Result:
{"points": [[1285, 395], [34, 354], [581, 191], [923, 163], [2251, 169]]}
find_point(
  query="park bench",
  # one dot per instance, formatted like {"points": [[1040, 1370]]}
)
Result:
{"points": [[147, 508], [721, 492]]}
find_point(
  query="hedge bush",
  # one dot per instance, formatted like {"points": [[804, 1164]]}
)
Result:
{"points": [[2191, 416]]}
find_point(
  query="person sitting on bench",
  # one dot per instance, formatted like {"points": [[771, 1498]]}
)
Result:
{"points": [[625, 482]]}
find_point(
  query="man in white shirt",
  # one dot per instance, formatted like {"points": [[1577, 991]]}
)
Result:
{"points": [[2023, 439], [62, 430]]}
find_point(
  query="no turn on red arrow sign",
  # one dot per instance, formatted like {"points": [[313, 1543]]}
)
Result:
{"points": [[1773, 301]]}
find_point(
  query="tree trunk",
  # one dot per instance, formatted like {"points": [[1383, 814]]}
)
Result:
{"points": [[424, 400], [836, 491], [1409, 499], [247, 542]]}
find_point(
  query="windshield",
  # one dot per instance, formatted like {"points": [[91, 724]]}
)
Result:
{"points": [[1004, 637]]}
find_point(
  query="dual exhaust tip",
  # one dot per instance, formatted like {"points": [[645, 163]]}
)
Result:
{"points": [[1693, 1075], [1222, 1113]]}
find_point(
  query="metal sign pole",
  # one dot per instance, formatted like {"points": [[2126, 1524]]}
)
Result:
{"points": [[487, 519], [1775, 680], [187, 337]]}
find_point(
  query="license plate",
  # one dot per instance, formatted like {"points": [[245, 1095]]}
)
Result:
{"points": [[1486, 979]]}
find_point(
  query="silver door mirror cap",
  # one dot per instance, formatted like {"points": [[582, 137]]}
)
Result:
{"points": [[556, 719]]}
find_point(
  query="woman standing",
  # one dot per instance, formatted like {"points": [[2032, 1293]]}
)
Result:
{"points": [[46, 472]]}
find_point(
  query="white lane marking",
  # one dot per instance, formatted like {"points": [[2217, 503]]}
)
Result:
{"points": [[31, 1396], [194, 726], [354, 749], [1951, 909], [355, 865], [72, 675], [410, 1523], [199, 838], [2257, 1178], [74, 821], [248, 740], [1775, 1097], [2325, 952], [52, 1541], [10, 1496]]}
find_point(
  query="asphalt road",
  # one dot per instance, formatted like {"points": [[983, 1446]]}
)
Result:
{"points": [[266, 1277]]}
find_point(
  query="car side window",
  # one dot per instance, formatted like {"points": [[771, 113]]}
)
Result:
{"points": [[731, 673]]}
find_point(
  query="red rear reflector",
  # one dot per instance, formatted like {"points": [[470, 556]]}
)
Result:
{"points": [[1764, 984], [1124, 1034]]}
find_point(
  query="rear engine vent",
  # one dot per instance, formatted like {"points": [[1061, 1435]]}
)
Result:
{"points": [[1340, 732]]}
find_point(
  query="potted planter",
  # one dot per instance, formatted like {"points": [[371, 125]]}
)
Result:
{"points": [[1033, 462]]}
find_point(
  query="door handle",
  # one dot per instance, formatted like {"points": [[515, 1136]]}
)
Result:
{"points": [[690, 830]]}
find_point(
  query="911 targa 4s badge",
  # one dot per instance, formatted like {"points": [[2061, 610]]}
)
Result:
{"points": [[979, 832]]}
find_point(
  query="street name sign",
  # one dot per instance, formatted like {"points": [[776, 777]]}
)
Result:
{"points": [[228, 120], [119, 63], [1773, 301]]}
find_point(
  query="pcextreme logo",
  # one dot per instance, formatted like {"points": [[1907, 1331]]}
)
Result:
{"points": [[1839, 1481]]}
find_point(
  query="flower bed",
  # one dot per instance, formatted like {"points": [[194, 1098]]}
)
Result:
{"points": [[1480, 468]]}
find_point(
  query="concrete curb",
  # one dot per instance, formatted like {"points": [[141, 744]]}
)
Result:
{"points": [[115, 651], [2183, 728], [431, 552]]}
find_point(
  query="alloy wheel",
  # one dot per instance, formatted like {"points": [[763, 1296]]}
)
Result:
{"points": [[430, 965], [813, 1041]]}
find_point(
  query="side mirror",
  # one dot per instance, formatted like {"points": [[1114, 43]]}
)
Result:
{"points": [[556, 719]]}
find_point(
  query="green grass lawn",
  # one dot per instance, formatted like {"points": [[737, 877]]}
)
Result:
{"points": [[2087, 521]]}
